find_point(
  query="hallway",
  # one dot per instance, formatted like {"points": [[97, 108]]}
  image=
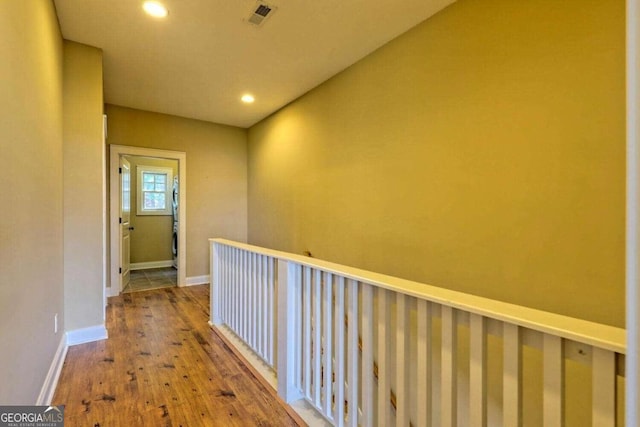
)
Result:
{"points": [[162, 366]]}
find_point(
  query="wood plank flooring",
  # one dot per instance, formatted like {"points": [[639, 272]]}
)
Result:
{"points": [[162, 366]]}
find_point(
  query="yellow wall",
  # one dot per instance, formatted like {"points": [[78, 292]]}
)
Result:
{"points": [[83, 180], [152, 237], [31, 234], [482, 151], [216, 173]]}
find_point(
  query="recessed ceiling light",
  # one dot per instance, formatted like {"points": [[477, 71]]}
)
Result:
{"points": [[155, 9], [247, 98]]}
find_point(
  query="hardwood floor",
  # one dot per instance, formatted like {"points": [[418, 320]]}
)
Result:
{"points": [[162, 366]]}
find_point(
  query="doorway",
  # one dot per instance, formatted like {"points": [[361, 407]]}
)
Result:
{"points": [[151, 249], [177, 237]]}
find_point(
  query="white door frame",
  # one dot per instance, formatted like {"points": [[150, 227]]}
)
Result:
{"points": [[122, 150], [632, 392]]}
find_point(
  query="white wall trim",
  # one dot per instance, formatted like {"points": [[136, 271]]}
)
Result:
{"points": [[309, 414], [85, 335], [105, 261], [113, 291], [197, 280], [51, 380], [632, 394], [78, 336], [151, 264]]}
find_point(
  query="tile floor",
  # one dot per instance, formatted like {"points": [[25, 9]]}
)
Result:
{"points": [[153, 278]]}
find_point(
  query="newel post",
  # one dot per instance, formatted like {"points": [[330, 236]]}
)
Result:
{"points": [[287, 342], [214, 277]]}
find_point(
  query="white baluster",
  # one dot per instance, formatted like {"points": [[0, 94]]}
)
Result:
{"points": [[271, 309], [317, 341], [234, 290], [449, 383], [402, 359], [254, 303], [553, 394], [273, 264], [478, 371], [240, 284], [424, 371], [352, 353], [246, 300], [264, 284], [327, 325], [224, 288], [247, 303], [338, 410], [298, 325], [245, 295], [237, 285], [512, 375], [384, 386], [259, 307], [604, 388], [307, 350], [227, 286], [259, 303], [368, 409]]}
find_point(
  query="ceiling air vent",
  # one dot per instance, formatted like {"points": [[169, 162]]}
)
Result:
{"points": [[260, 13]]}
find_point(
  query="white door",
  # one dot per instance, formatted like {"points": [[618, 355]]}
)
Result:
{"points": [[125, 220]]}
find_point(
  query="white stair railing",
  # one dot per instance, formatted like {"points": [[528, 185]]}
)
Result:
{"points": [[245, 287], [368, 349]]}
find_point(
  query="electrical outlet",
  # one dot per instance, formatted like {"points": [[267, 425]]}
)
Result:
{"points": [[55, 323]]}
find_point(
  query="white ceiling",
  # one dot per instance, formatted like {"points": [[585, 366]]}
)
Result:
{"points": [[199, 60]]}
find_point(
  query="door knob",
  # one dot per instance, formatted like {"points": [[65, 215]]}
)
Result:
{"points": [[131, 228]]}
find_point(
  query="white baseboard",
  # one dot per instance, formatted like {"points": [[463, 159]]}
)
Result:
{"points": [[85, 335], [150, 264], [51, 380], [304, 410], [112, 291], [197, 280], [267, 372], [78, 336]]}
